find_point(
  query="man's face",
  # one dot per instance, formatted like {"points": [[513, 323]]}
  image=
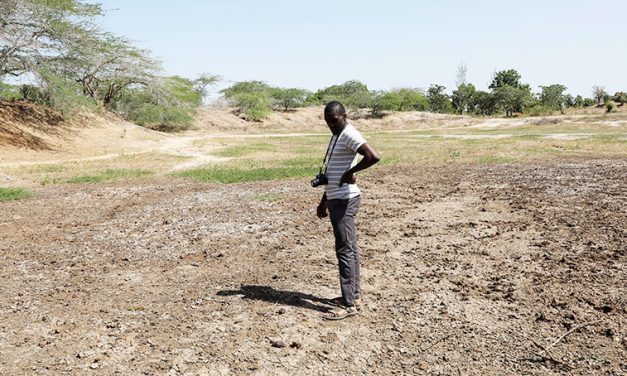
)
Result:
{"points": [[335, 120]]}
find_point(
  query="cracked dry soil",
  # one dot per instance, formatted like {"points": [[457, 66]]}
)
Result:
{"points": [[467, 270]]}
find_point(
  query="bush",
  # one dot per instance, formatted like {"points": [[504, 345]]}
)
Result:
{"points": [[610, 106], [254, 106], [59, 93], [412, 100], [539, 109], [168, 105], [9, 92]]}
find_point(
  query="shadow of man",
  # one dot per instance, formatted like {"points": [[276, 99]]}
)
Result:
{"points": [[268, 294]]}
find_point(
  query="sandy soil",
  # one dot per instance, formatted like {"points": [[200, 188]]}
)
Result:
{"points": [[468, 270]]}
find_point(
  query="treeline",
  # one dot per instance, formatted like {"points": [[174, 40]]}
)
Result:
{"points": [[71, 64], [507, 96], [62, 59]]}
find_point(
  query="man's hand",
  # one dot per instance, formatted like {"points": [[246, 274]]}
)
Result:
{"points": [[321, 210], [347, 178]]}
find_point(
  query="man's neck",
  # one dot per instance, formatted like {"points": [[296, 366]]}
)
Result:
{"points": [[340, 129]]}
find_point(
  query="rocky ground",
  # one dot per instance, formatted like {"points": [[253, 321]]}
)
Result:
{"points": [[467, 270]]}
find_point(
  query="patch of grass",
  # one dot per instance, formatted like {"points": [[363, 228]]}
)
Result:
{"points": [[268, 197], [227, 175], [242, 150], [101, 176], [7, 194]]}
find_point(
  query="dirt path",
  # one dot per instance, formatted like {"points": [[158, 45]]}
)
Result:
{"points": [[464, 269]]}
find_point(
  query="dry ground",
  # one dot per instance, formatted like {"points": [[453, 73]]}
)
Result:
{"points": [[466, 270], [472, 264]]}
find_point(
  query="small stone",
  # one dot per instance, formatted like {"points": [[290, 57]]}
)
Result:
{"points": [[277, 343], [296, 345]]}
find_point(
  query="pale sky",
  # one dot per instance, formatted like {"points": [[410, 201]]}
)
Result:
{"points": [[385, 44]]}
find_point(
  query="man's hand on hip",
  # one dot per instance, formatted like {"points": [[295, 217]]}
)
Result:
{"points": [[347, 178]]}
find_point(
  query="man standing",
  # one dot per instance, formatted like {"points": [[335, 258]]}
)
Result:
{"points": [[342, 198]]}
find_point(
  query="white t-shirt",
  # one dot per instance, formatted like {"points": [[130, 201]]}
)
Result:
{"points": [[343, 158]]}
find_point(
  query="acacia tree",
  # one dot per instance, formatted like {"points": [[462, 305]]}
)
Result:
{"points": [[36, 30], [104, 65], [289, 98]]}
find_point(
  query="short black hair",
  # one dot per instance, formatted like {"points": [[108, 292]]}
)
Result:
{"points": [[334, 106]]}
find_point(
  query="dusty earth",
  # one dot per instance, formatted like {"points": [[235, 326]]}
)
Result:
{"points": [[467, 270]]}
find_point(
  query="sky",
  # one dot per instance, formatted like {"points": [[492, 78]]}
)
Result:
{"points": [[385, 44]]}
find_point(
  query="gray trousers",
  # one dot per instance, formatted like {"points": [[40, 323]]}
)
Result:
{"points": [[342, 214]]}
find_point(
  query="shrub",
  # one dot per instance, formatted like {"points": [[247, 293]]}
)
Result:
{"points": [[539, 109], [254, 106], [610, 106], [167, 105]]}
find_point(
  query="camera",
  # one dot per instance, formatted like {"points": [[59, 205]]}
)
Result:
{"points": [[320, 179]]}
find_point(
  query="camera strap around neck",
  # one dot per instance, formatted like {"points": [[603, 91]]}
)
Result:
{"points": [[325, 165]]}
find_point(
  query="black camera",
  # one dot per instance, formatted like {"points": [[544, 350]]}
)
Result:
{"points": [[320, 179]]}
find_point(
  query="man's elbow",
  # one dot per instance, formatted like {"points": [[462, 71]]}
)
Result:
{"points": [[375, 158]]}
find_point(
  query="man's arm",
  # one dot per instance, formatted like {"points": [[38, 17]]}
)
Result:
{"points": [[321, 210], [370, 157]]}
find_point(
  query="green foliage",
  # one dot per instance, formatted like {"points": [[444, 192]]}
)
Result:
{"points": [[168, 105], [7, 194], [511, 99], [289, 98], [353, 94], [202, 83], [412, 100], [483, 103], [438, 100], [9, 92], [62, 94], [583, 102], [246, 87], [610, 106], [620, 97], [553, 96], [254, 106], [538, 109], [385, 101], [509, 77], [462, 98], [34, 94]]}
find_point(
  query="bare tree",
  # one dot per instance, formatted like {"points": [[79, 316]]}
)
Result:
{"points": [[598, 93]]}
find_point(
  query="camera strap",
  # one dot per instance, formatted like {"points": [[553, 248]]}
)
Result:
{"points": [[325, 160]]}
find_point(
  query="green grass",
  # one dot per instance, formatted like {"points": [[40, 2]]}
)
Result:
{"points": [[100, 176], [227, 175], [243, 150], [7, 194]]}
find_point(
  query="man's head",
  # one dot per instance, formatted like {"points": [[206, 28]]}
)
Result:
{"points": [[335, 116]]}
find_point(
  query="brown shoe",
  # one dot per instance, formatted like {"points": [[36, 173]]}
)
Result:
{"points": [[340, 313], [340, 302]]}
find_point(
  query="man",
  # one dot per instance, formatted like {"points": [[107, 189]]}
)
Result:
{"points": [[342, 198]]}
